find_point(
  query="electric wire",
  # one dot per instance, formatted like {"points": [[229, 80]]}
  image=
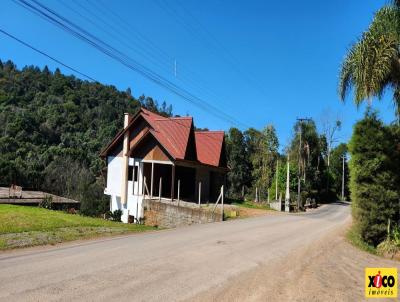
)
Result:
{"points": [[77, 31]]}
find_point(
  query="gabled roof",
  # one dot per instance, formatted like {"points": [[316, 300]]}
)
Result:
{"points": [[174, 135], [209, 146]]}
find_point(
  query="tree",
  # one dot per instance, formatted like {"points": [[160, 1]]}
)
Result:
{"points": [[263, 159], [309, 160], [374, 177], [330, 127], [53, 127], [336, 170], [373, 63], [238, 164], [252, 138], [281, 176]]}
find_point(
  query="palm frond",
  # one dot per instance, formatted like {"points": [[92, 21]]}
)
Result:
{"points": [[346, 80], [368, 66]]}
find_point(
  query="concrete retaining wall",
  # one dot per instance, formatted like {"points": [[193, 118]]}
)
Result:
{"points": [[169, 215], [276, 205]]}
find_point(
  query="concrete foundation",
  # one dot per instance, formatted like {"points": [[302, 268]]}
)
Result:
{"points": [[169, 215]]}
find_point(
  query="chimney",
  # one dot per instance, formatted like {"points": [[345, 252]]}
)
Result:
{"points": [[125, 162]]}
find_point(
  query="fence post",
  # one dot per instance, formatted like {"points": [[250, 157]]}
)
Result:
{"points": [[159, 189], [199, 194], [222, 200], [144, 186], [179, 190], [152, 180], [137, 211]]}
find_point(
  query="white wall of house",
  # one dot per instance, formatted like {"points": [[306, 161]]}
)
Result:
{"points": [[133, 205], [114, 175]]}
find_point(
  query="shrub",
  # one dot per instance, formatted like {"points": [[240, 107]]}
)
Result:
{"points": [[115, 216], [46, 203], [374, 177]]}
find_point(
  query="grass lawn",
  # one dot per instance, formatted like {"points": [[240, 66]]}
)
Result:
{"points": [[22, 226], [353, 236]]}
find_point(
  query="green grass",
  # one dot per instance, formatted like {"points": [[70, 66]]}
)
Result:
{"points": [[251, 204], [22, 226], [353, 236]]}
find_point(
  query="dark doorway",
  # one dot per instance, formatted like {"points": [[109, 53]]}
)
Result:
{"points": [[163, 172], [187, 177], [160, 171]]}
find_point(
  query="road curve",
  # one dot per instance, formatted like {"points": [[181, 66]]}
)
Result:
{"points": [[179, 264]]}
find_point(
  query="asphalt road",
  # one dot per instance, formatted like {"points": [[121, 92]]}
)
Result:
{"points": [[200, 262]]}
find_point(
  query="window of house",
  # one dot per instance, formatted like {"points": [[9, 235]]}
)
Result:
{"points": [[130, 171], [136, 173]]}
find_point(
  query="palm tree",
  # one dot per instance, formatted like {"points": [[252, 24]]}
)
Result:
{"points": [[372, 64]]}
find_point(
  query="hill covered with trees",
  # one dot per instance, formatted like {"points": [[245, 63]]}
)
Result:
{"points": [[52, 128]]}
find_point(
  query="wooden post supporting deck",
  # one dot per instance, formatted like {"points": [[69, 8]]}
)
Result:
{"points": [[143, 188], [173, 183], [222, 196], [133, 178], [199, 193], [151, 180], [159, 189], [179, 190]]}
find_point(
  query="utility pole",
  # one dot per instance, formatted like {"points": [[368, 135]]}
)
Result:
{"points": [[343, 157], [276, 180], [287, 195], [301, 120]]}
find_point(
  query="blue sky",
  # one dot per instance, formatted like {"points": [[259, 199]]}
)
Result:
{"points": [[263, 62]]}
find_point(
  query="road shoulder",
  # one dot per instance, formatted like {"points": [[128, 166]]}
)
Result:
{"points": [[330, 269]]}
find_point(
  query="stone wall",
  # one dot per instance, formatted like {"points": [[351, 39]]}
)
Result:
{"points": [[168, 215]]}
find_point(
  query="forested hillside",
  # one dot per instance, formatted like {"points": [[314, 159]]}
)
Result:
{"points": [[52, 128]]}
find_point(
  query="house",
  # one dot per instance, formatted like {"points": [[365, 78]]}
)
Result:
{"points": [[159, 157]]}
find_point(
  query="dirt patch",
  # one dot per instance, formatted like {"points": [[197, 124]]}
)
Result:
{"points": [[329, 270], [250, 212]]}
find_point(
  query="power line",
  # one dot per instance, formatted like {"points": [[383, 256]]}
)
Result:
{"points": [[107, 28], [82, 34], [173, 119], [46, 55], [208, 38], [186, 78]]}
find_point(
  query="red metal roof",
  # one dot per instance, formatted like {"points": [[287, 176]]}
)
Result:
{"points": [[209, 146], [173, 134]]}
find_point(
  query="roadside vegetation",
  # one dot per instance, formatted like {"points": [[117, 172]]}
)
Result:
{"points": [[354, 237], [371, 67], [257, 165], [22, 226], [251, 204]]}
